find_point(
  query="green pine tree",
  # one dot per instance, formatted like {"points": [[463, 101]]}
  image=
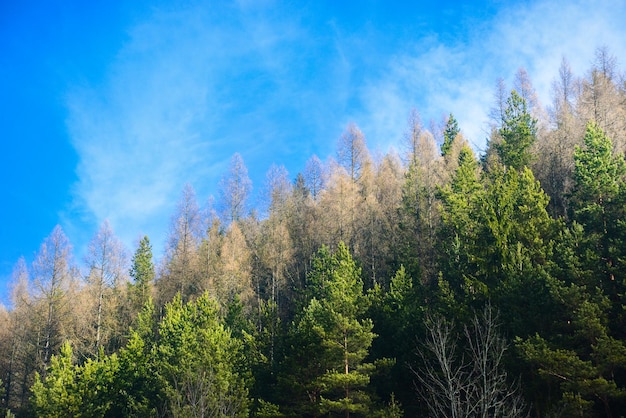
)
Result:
{"points": [[449, 134], [517, 133], [330, 341], [142, 272]]}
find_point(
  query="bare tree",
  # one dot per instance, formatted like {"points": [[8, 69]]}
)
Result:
{"points": [[352, 152], [277, 189], [108, 267], [314, 176], [496, 114], [467, 383], [53, 278], [235, 188], [180, 272]]}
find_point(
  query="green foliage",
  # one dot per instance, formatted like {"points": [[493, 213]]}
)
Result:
{"points": [[458, 241], [142, 271], [517, 133], [331, 340], [599, 174], [193, 368], [198, 359], [54, 395], [449, 134]]}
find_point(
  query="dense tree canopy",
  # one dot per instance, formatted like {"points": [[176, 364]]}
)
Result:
{"points": [[437, 282]]}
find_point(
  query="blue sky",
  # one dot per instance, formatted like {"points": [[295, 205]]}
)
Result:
{"points": [[108, 108]]}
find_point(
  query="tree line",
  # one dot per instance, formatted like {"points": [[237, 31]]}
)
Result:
{"points": [[430, 282]]}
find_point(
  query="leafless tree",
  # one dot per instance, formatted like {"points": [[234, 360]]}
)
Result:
{"points": [[235, 189], [53, 278], [314, 176], [471, 382], [108, 267], [352, 152], [180, 270]]}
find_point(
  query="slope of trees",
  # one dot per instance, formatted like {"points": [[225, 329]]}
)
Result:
{"points": [[437, 282]]}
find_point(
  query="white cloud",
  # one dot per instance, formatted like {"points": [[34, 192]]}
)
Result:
{"points": [[193, 86], [438, 78], [190, 88]]}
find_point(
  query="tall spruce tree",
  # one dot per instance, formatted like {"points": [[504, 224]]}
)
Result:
{"points": [[517, 133], [449, 134]]}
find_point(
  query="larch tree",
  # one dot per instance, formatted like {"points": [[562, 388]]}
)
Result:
{"points": [[18, 343], [314, 176], [420, 208], [554, 163], [180, 273], [54, 277], [235, 187], [352, 152], [602, 101], [234, 279], [108, 269], [336, 209], [379, 235]]}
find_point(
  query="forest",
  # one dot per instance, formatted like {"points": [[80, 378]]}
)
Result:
{"points": [[437, 280]]}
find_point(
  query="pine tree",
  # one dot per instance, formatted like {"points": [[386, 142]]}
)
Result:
{"points": [[142, 272], [332, 340], [449, 134], [517, 133]]}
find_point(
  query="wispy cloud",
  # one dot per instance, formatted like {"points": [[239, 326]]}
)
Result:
{"points": [[192, 86], [438, 78]]}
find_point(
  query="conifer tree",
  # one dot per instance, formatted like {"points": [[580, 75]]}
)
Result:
{"points": [[332, 340], [449, 134], [517, 133], [142, 272]]}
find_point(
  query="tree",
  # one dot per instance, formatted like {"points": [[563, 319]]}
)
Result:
{"points": [[200, 362], [332, 340], [53, 279], [449, 134], [517, 133], [314, 176], [469, 383], [76, 390], [107, 263], [598, 205], [234, 278], [602, 101], [458, 235], [352, 152], [55, 395], [180, 274], [142, 271], [277, 189], [234, 188], [554, 163], [420, 208], [18, 342], [583, 375]]}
